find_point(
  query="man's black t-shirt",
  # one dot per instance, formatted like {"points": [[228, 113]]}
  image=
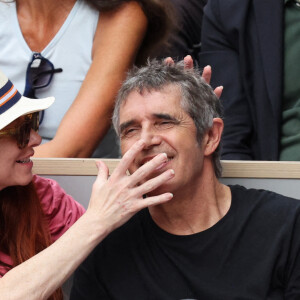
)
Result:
{"points": [[251, 253]]}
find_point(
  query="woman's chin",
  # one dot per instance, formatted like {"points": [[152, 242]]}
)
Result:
{"points": [[25, 180]]}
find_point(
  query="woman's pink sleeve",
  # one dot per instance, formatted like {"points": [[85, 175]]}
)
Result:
{"points": [[60, 209]]}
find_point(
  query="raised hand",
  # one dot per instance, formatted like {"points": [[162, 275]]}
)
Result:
{"points": [[117, 198], [206, 73]]}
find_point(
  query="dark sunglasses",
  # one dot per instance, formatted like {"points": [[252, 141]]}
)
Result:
{"points": [[39, 75], [22, 132]]}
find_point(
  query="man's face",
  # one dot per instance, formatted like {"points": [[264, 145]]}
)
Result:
{"points": [[158, 118]]}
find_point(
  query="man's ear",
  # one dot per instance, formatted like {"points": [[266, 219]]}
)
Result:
{"points": [[213, 136]]}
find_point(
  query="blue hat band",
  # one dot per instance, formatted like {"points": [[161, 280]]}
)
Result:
{"points": [[9, 96]]}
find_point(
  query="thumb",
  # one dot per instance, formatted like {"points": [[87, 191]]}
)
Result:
{"points": [[103, 171]]}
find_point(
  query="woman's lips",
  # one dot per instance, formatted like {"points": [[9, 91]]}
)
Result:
{"points": [[24, 161]]}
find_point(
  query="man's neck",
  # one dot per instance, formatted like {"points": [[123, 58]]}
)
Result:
{"points": [[193, 209]]}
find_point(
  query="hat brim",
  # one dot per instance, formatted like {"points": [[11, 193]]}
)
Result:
{"points": [[23, 107]]}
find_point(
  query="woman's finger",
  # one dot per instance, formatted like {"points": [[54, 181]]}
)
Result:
{"points": [[169, 61], [188, 62], [206, 74], [103, 171], [218, 91], [154, 183], [128, 158], [153, 200], [145, 170]]}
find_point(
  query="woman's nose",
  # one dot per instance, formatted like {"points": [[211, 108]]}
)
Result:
{"points": [[35, 139]]}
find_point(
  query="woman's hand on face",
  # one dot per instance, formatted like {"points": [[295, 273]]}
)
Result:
{"points": [[117, 198]]}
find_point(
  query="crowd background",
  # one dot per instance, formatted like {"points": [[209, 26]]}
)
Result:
{"points": [[93, 43]]}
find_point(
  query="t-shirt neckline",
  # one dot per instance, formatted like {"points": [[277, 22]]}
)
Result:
{"points": [[202, 234]]}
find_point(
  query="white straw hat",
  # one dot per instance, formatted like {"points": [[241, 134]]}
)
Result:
{"points": [[13, 104]]}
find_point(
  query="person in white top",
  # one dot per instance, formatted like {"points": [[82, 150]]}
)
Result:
{"points": [[94, 51]]}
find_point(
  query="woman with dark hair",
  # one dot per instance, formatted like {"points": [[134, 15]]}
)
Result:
{"points": [[39, 249], [79, 52], [186, 38], [160, 23]]}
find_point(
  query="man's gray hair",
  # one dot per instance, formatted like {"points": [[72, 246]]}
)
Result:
{"points": [[198, 98]]}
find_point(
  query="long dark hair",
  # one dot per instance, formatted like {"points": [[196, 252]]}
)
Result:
{"points": [[24, 231], [160, 15]]}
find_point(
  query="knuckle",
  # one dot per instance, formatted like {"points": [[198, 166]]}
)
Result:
{"points": [[128, 194], [123, 186], [150, 186], [126, 207], [142, 173], [132, 208]]}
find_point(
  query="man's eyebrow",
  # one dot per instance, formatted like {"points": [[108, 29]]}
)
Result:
{"points": [[125, 125], [165, 117]]}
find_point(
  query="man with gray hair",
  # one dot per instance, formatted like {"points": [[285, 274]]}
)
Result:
{"points": [[210, 241]]}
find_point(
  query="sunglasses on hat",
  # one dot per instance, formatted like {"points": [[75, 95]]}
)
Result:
{"points": [[22, 132]]}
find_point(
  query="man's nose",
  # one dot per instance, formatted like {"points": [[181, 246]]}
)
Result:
{"points": [[151, 138]]}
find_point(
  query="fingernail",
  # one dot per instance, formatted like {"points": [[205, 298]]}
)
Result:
{"points": [[169, 196], [164, 155], [172, 171]]}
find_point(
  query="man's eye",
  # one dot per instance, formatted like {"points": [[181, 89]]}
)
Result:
{"points": [[165, 124], [129, 132]]}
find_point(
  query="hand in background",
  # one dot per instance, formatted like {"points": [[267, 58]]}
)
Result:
{"points": [[206, 73]]}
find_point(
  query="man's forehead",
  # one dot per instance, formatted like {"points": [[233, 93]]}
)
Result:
{"points": [[155, 105], [163, 95]]}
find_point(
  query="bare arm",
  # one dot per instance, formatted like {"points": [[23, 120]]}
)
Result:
{"points": [[117, 40], [113, 202]]}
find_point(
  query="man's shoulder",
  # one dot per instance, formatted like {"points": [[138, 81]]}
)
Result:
{"points": [[262, 192], [265, 200]]}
